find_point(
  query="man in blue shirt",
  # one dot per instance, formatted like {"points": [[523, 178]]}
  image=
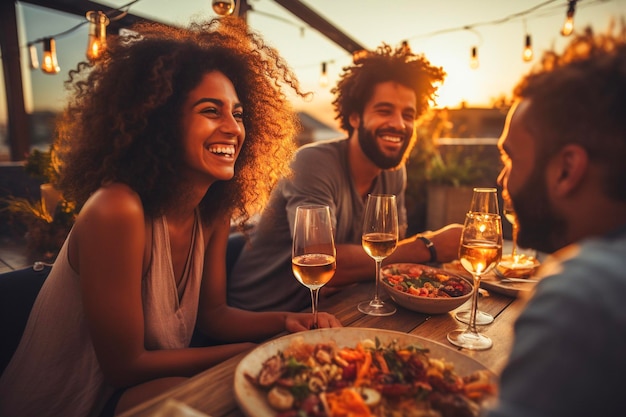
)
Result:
{"points": [[564, 155]]}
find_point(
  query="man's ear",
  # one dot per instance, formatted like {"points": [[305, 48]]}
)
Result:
{"points": [[354, 119], [569, 167]]}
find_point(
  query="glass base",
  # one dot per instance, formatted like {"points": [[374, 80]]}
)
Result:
{"points": [[482, 318], [376, 308], [469, 340]]}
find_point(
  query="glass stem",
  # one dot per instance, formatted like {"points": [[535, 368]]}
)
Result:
{"points": [[474, 310], [376, 300], [314, 300]]}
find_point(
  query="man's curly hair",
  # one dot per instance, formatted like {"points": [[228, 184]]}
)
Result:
{"points": [[357, 82], [123, 123], [579, 97]]}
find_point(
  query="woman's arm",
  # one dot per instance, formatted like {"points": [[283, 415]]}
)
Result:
{"points": [[108, 245]]}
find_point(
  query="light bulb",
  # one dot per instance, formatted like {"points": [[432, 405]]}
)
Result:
{"points": [[50, 64], [97, 43], [527, 55], [568, 25], [474, 58], [323, 76], [223, 7], [358, 55]]}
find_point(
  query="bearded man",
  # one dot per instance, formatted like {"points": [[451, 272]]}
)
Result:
{"points": [[563, 151], [377, 101]]}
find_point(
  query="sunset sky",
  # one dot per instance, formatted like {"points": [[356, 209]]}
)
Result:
{"points": [[444, 30]]}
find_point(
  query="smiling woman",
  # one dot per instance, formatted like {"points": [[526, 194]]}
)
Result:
{"points": [[213, 128], [160, 147]]}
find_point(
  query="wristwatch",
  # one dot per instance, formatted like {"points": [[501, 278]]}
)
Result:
{"points": [[431, 248]]}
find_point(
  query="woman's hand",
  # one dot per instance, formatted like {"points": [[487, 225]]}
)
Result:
{"points": [[298, 322]]}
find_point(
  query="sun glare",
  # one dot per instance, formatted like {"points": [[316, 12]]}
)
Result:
{"points": [[460, 86]]}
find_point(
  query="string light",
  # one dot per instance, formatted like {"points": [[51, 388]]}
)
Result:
{"points": [[324, 76], [50, 64], [527, 55], [474, 58], [568, 25], [99, 20], [358, 55], [223, 7], [405, 47], [97, 43]]}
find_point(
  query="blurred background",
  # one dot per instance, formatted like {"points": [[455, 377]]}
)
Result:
{"points": [[484, 46]]}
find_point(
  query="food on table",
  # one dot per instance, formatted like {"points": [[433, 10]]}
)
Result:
{"points": [[369, 379], [518, 266], [424, 281]]}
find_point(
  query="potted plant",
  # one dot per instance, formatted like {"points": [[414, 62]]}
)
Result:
{"points": [[441, 177], [49, 219]]}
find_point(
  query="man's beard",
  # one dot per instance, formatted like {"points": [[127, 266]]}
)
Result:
{"points": [[540, 227], [369, 145]]}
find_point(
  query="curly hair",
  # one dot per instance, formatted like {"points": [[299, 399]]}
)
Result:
{"points": [[123, 122], [579, 97], [357, 82]]}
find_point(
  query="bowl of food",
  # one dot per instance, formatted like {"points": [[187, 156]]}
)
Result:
{"points": [[425, 289]]}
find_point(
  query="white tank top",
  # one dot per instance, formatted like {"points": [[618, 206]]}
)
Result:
{"points": [[55, 372]]}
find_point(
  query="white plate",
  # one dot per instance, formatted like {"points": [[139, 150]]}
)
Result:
{"points": [[252, 401]]}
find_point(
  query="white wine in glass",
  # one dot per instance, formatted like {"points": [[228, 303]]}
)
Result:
{"points": [[482, 318], [480, 251], [313, 258], [379, 240]]}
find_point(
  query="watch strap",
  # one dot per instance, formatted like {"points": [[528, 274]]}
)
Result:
{"points": [[431, 248]]}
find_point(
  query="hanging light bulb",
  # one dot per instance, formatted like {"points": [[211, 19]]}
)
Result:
{"points": [[568, 25], [527, 55], [97, 43], [324, 76], [34, 59], [405, 47], [223, 7], [358, 55], [474, 58], [50, 64]]}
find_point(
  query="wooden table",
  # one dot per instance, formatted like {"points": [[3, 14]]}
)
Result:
{"points": [[211, 392]]}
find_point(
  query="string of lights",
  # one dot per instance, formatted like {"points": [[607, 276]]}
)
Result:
{"points": [[99, 20], [546, 8]]}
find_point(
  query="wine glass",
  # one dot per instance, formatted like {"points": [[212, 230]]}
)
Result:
{"points": [[379, 240], [480, 251], [518, 263], [313, 256], [482, 318], [511, 217]]}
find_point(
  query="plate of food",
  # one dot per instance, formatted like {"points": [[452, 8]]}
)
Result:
{"points": [[368, 372], [425, 289], [493, 282]]}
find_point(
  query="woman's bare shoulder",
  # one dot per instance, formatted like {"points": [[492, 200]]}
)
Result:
{"points": [[113, 202], [111, 221]]}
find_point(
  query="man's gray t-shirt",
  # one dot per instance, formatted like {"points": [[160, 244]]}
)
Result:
{"points": [[262, 279]]}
